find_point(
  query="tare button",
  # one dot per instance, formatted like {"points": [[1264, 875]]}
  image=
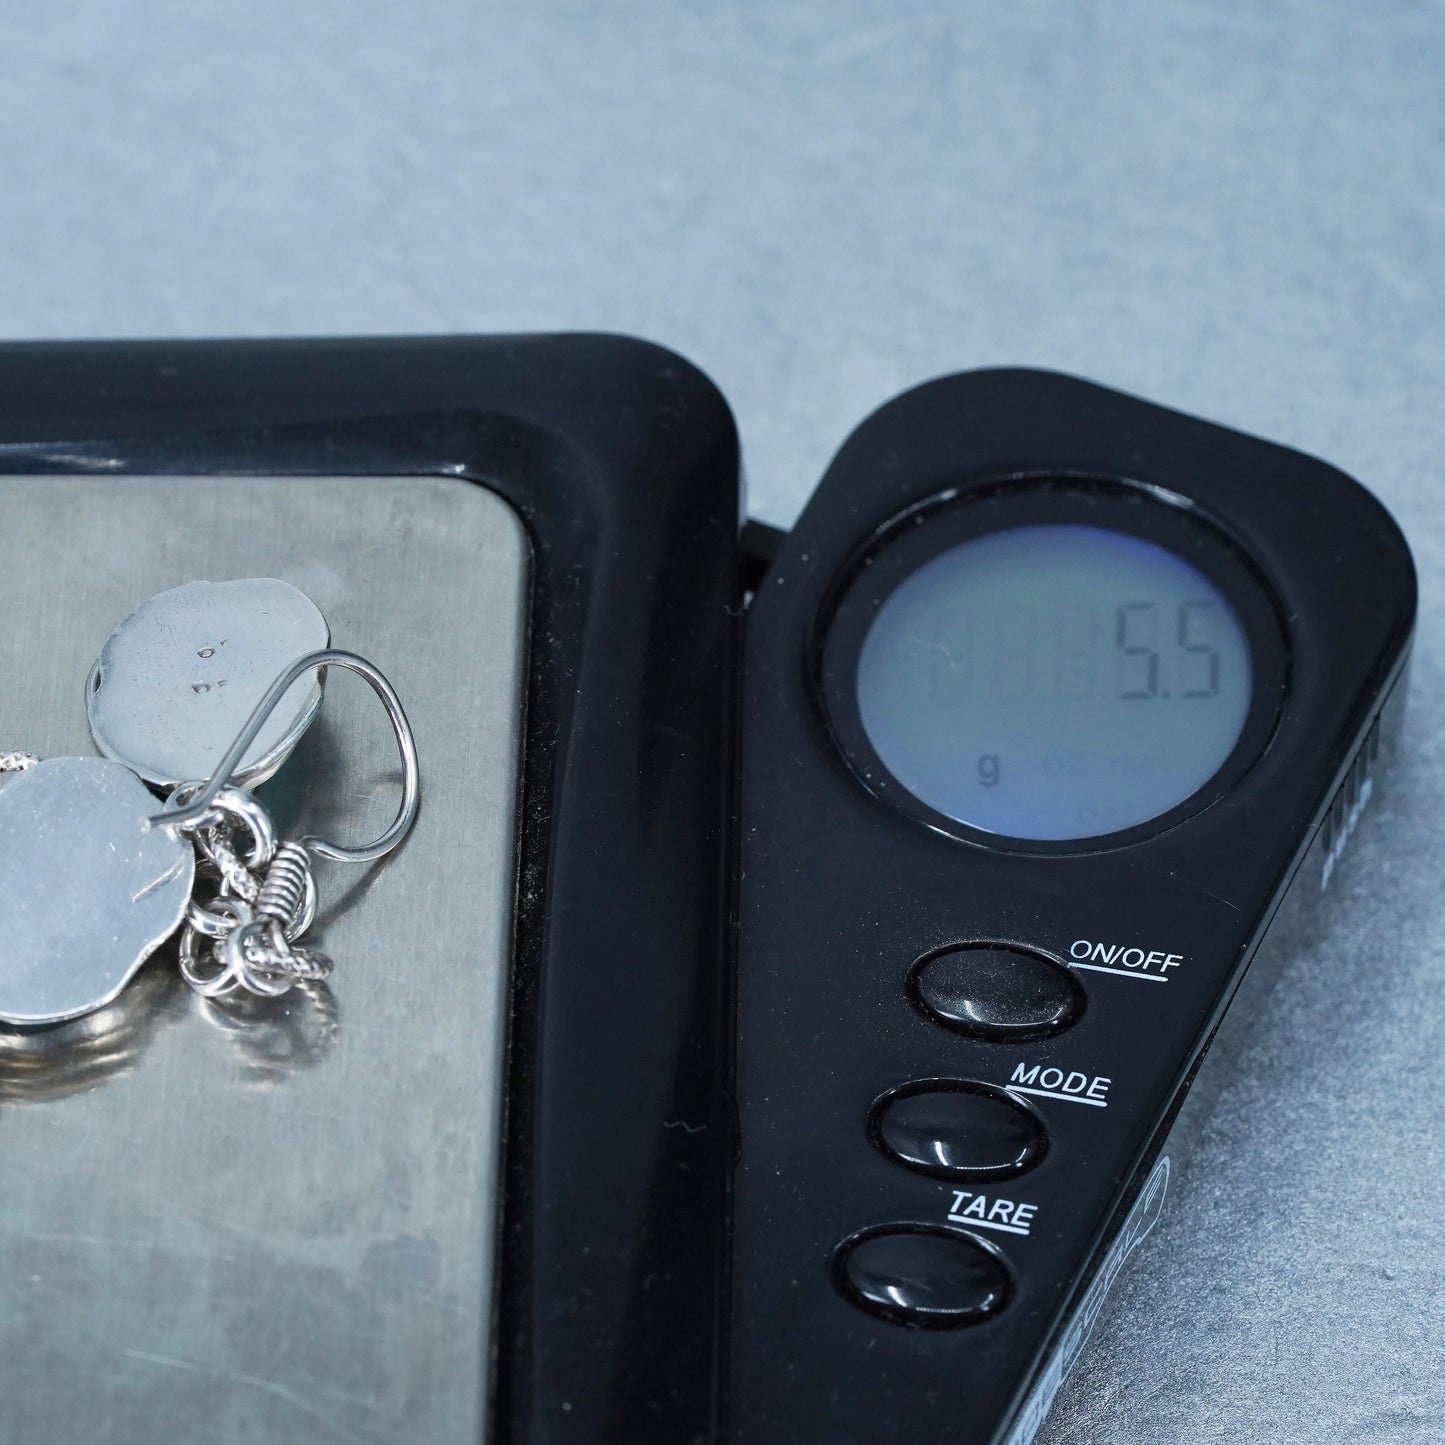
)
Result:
{"points": [[922, 1276]]}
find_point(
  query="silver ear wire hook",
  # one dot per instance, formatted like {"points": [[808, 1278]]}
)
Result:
{"points": [[247, 938], [196, 809]]}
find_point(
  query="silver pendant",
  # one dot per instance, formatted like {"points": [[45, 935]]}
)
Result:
{"points": [[90, 891], [177, 680]]}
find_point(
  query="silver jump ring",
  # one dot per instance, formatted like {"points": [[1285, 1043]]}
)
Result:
{"points": [[233, 805], [203, 972], [206, 921]]}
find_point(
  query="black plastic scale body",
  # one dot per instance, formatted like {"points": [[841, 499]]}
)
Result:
{"points": [[961, 1050], [957, 1058]]}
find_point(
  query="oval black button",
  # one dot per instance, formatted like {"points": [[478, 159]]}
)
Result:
{"points": [[926, 1277], [958, 1129], [997, 991]]}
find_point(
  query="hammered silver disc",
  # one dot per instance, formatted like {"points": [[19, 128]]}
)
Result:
{"points": [[178, 679], [87, 892]]}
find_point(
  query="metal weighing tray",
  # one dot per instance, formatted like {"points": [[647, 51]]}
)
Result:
{"points": [[277, 1227]]}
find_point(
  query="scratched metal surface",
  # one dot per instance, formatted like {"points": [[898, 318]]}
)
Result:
{"points": [[275, 1226], [1232, 209]]}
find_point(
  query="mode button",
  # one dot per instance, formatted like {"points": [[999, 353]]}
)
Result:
{"points": [[958, 1129]]}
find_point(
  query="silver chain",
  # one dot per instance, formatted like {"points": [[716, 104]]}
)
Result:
{"points": [[244, 938]]}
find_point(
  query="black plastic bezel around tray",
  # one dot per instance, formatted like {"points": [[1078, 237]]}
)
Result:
{"points": [[926, 531]]}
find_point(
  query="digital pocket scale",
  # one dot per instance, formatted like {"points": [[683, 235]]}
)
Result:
{"points": [[778, 1025]]}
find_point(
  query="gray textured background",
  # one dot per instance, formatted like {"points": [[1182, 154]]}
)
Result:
{"points": [[1236, 209]]}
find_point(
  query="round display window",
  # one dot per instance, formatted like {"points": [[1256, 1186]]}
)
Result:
{"points": [[1052, 681]]}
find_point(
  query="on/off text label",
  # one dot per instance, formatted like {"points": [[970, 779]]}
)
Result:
{"points": [[1153, 964]]}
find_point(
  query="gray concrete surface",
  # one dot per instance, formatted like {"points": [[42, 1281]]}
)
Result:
{"points": [[1234, 209]]}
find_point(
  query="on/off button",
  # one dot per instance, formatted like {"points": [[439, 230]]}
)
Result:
{"points": [[996, 991]]}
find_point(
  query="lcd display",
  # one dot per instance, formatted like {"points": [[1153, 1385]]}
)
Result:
{"points": [[1054, 682]]}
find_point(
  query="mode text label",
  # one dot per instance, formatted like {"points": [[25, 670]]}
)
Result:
{"points": [[1051, 1083]]}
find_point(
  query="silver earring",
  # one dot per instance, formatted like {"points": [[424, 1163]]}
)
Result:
{"points": [[93, 879], [245, 938]]}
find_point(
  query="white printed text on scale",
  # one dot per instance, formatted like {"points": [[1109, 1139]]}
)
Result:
{"points": [[1047, 1082], [1150, 964], [985, 1211]]}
